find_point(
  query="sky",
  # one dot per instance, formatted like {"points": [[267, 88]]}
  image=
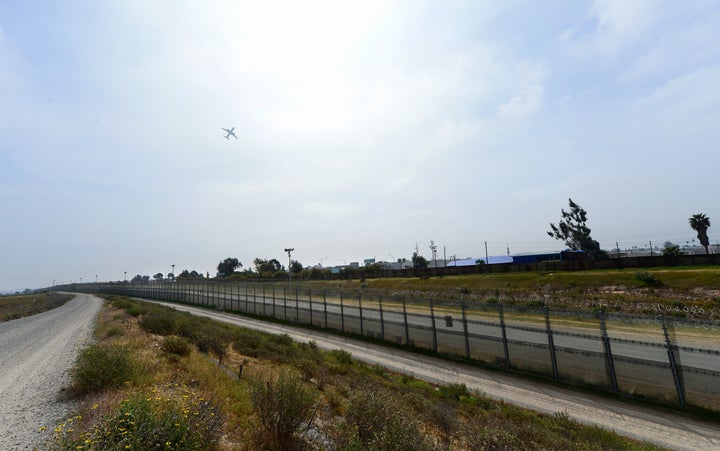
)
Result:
{"points": [[365, 130]]}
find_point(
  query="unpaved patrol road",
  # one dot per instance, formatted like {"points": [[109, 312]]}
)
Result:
{"points": [[36, 354], [664, 429]]}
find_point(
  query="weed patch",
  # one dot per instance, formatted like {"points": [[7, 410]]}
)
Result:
{"points": [[103, 366]]}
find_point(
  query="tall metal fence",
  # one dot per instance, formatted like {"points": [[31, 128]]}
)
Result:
{"points": [[663, 358]]}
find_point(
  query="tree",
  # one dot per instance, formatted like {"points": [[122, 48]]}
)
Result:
{"points": [[573, 230], [296, 267], [190, 275], [271, 266], [419, 262], [700, 223], [671, 249], [158, 276], [228, 266]]}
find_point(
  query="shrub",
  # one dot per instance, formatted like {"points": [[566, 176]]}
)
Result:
{"points": [[648, 278], [341, 356], [213, 339], [157, 323], [135, 310], [374, 420], [123, 304], [154, 422], [114, 331], [453, 391], [103, 366], [284, 406], [176, 345]]}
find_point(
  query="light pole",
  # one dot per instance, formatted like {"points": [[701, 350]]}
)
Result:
{"points": [[289, 251], [173, 272], [125, 279]]}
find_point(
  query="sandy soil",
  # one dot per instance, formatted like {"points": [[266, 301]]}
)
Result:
{"points": [[36, 354]]}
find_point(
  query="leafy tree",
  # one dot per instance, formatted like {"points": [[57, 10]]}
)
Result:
{"points": [[137, 278], [158, 276], [573, 230], [700, 223], [419, 262], [271, 266], [190, 275], [296, 267], [228, 266], [671, 249]]}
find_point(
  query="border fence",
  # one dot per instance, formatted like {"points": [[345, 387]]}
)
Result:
{"points": [[664, 358]]}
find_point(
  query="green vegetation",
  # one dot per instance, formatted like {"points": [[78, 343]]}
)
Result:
{"points": [[700, 223], [284, 404], [13, 307], [178, 420], [648, 278], [103, 366], [573, 230], [565, 290], [273, 393]]}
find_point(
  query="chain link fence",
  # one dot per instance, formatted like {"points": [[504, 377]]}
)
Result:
{"points": [[674, 360]]}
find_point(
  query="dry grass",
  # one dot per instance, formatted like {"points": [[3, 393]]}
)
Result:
{"points": [[13, 307], [403, 412]]}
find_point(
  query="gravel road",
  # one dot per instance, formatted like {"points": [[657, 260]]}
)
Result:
{"points": [[36, 354], [661, 428]]}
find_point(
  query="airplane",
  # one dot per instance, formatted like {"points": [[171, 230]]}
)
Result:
{"points": [[230, 132]]}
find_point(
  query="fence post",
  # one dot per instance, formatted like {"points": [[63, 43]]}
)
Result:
{"points": [[504, 335], [310, 302], [246, 299], [273, 293], [609, 362], [342, 312], [674, 365], [434, 328], [465, 329], [285, 303], [362, 330], [382, 322], [297, 306], [551, 343], [325, 306], [407, 331]]}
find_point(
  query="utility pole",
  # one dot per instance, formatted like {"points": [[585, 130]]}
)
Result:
{"points": [[289, 252], [433, 248]]}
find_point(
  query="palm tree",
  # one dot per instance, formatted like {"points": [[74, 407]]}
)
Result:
{"points": [[700, 224]]}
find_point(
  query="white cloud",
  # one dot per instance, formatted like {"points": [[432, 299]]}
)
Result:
{"points": [[362, 127], [613, 30], [675, 49], [525, 102]]}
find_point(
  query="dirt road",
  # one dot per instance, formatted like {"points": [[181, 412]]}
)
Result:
{"points": [[36, 354], [672, 431]]}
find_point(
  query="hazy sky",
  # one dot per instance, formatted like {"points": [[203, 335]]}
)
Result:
{"points": [[364, 128]]}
